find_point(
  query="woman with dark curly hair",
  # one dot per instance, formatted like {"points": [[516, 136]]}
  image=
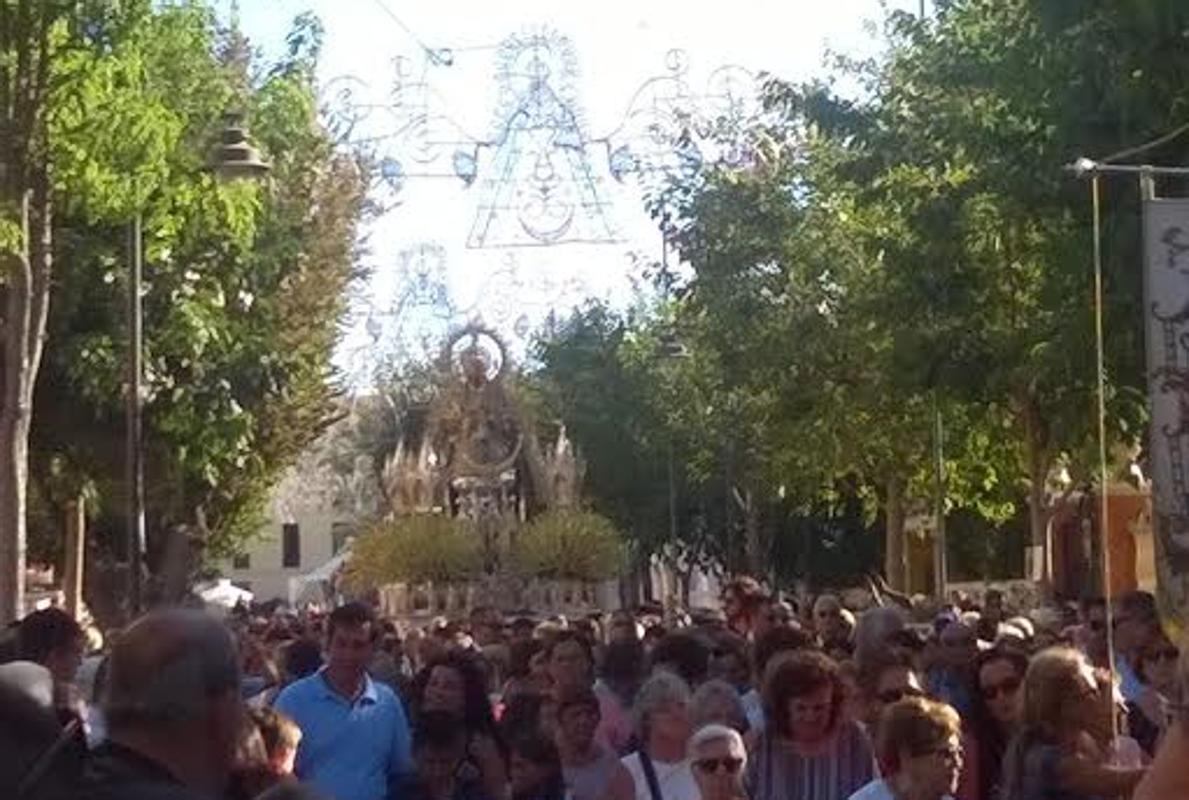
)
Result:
{"points": [[997, 707], [454, 684], [809, 750]]}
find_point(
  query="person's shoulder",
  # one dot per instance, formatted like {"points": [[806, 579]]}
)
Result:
{"points": [[853, 730], [297, 692], [875, 790], [386, 695]]}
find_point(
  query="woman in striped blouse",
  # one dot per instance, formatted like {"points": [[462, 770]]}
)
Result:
{"points": [[809, 750]]}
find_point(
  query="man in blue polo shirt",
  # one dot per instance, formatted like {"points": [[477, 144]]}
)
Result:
{"points": [[355, 742]]}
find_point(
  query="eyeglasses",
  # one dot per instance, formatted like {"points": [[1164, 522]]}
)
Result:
{"points": [[1009, 686], [711, 765], [895, 695], [949, 752]]}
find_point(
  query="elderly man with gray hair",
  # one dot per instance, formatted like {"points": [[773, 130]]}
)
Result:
{"points": [[719, 758], [173, 711]]}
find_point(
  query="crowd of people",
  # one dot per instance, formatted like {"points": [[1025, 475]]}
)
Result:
{"points": [[763, 700]]}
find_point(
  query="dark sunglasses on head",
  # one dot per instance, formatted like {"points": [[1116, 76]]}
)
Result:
{"points": [[1009, 686], [711, 765], [896, 695]]}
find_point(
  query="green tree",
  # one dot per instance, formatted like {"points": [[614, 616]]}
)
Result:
{"points": [[52, 56], [976, 112], [245, 289]]}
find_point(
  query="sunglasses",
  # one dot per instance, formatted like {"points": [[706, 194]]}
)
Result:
{"points": [[1009, 686], [711, 765], [896, 695]]}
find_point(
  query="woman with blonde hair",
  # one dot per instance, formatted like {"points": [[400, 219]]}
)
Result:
{"points": [[1055, 755], [919, 747]]}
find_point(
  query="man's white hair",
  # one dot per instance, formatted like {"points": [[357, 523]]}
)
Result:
{"points": [[714, 732]]}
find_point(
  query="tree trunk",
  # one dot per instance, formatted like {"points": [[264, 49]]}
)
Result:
{"points": [[25, 260], [26, 303], [751, 530], [14, 433], [895, 551], [1036, 445], [76, 549]]}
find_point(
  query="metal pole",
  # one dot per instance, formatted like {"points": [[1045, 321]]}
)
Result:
{"points": [[135, 454], [1085, 167], [939, 555], [1103, 487]]}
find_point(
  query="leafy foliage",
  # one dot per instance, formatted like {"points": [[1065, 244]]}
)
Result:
{"points": [[569, 544], [245, 285], [415, 549], [912, 251]]}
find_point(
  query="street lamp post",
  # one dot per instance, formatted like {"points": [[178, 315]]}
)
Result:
{"points": [[234, 159]]}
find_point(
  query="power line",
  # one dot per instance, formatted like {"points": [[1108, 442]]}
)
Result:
{"points": [[430, 51], [437, 55]]}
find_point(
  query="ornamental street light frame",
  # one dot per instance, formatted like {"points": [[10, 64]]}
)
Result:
{"points": [[233, 159]]}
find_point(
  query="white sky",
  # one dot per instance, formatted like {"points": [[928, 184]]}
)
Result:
{"points": [[619, 44]]}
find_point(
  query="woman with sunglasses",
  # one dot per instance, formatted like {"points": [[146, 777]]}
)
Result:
{"points": [[889, 676], [1055, 754], [1148, 714], [995, 715], [920, 752], [718, 758]]}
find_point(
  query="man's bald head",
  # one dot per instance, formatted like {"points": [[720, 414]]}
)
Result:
{"points": [[168, 668]]}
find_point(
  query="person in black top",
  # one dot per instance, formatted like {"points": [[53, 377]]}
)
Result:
{"points": [[439, 750], [39, 758], [173, 712], [534, 769]]}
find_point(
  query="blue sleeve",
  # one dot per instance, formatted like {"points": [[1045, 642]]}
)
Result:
{"points": [[284, 701], [288, 702]]}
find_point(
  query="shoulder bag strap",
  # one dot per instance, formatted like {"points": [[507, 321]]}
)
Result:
{"points": [[654, 786]]}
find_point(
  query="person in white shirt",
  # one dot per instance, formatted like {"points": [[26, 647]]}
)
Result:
{"points": [[919, 750], [659, 770]]}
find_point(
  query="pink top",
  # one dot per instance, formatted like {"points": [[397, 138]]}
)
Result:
{"points": [[615, 728]]}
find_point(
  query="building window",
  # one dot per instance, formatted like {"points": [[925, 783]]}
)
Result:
{"points": [[340, 532], [290, 545], [241, 561]]}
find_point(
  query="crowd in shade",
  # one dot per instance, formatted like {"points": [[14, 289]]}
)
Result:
{"points": [[764, 699]]}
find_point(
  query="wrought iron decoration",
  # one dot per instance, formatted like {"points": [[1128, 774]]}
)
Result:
{"points": [[539, 175]]}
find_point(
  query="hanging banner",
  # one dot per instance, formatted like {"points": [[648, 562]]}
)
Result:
{"points": [[1166, 296]]}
